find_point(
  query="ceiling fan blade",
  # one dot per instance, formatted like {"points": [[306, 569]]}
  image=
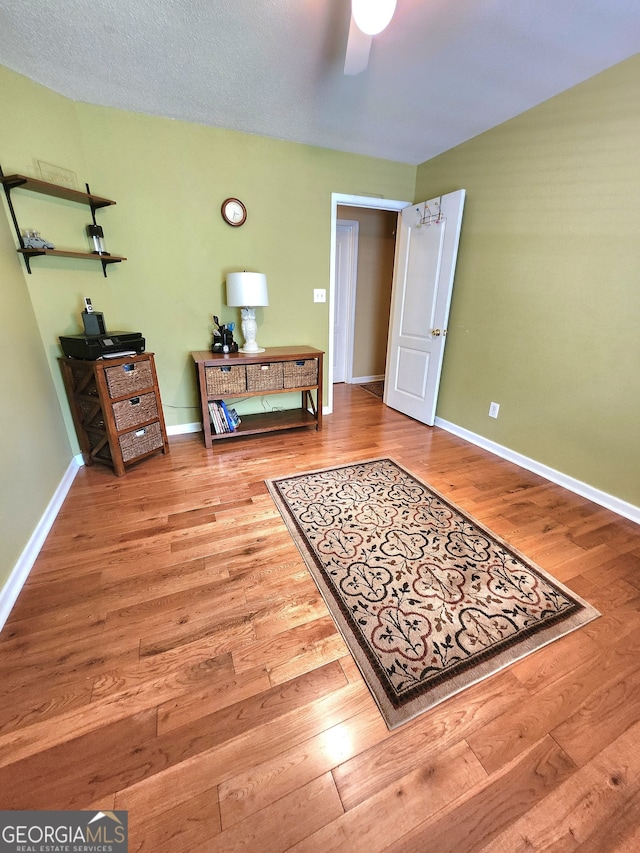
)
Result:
{"points": [[358, 47]]}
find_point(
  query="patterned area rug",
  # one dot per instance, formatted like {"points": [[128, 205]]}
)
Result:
{"points": [[375, 388], [427, 599]]}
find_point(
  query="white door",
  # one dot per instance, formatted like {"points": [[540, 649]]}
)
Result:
{"points": [[426, 252], [345, 287]]}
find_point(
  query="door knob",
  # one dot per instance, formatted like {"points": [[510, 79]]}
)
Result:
{"points": [[435, 333]]}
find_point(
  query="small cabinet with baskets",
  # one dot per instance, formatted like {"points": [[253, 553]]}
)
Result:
{"points": [[116, 409], [277, 370]]}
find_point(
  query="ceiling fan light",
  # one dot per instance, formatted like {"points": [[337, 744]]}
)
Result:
{"points": [[372, 16]]}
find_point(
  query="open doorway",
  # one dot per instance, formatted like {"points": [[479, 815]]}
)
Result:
{"points": [[365, 314], [365, 251]]}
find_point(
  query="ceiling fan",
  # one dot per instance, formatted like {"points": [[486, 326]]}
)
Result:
{"points": [[368, 18]]}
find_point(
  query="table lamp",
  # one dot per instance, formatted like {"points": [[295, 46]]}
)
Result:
{"points": [[248, 291]]}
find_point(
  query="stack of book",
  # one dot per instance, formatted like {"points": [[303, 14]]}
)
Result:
{"points": [[223, 419]]}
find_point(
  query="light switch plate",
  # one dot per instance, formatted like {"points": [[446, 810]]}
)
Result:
{"points": [[319, 295]]}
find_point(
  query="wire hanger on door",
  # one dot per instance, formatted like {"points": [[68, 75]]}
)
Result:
{"points": [[428, 217]]}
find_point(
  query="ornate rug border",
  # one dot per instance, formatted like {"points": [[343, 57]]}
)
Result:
{"points": [[515, 650]]}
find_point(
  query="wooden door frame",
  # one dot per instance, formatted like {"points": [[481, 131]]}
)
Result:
{"points": [[347, 201]]}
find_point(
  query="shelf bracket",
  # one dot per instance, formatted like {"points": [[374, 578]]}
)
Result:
{"points": [[106, 262], [14, 219]]}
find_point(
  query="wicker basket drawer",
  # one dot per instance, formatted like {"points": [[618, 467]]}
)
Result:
{"points": [[227, 379], [127, 379], [140, 441], [264, 377], [300, 374], [137, 410]]}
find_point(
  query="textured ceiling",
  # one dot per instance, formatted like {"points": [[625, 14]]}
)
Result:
{"points": [[443, 71]]}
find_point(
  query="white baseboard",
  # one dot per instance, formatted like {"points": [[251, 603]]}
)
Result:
{"points": [[360, 380], [11, 590], [603, 499], [183, 429]]}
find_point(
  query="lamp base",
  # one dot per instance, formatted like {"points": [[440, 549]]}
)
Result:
{"points": [[249, 330]]}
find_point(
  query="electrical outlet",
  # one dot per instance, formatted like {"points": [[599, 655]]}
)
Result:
{"points": [[319, 295], [494, 408]]}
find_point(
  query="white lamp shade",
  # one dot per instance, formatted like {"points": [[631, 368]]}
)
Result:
{"points": [[372, 16], [247, 289]]}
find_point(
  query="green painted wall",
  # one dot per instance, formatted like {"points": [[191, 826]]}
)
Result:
{"points": [[35, 450], [545, 316], [169, 179]]}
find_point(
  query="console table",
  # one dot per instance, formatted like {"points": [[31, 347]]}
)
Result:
{"points": [[277, 370]]}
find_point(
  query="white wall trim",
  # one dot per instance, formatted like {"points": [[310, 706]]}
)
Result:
{"points": [[11, 589], [361, 380], [603, 499], [351, 287], [374, 203], [183, 429]]}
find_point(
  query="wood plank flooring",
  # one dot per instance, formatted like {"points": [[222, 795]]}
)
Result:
{"points": [[170, 655]]}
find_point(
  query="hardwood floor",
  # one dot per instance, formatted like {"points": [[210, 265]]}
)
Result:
{"points": [[170, 655]]}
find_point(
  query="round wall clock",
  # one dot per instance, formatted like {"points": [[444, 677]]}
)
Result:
{"points": [[233, 212]]}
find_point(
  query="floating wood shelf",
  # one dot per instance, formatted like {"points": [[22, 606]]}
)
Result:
{"points": [[63, 253], [23, 182], [95, 202]]}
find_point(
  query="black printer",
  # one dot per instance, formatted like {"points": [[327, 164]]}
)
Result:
{"points": [[111, 345]]}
